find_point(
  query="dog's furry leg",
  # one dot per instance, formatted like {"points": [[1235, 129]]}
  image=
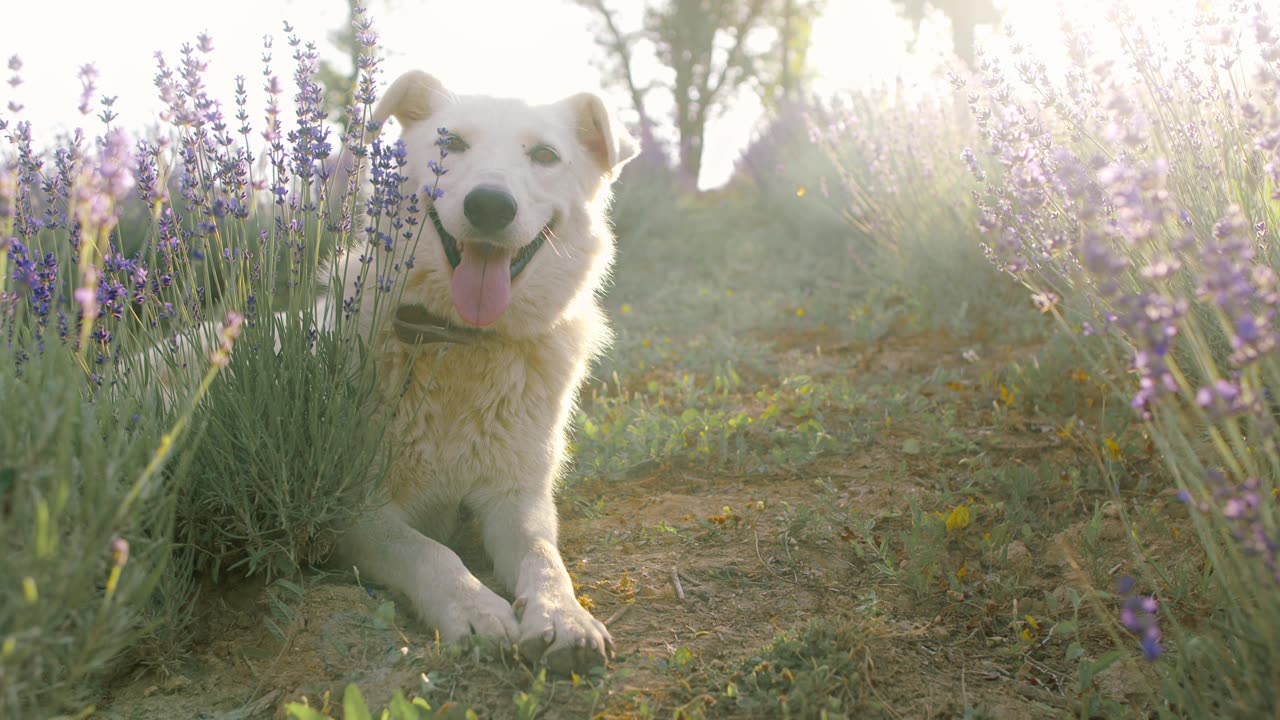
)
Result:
{"points": [[520, 535], [444, 592]]}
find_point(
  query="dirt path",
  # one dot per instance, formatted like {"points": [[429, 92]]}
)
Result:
{"points": [[711, 580]]}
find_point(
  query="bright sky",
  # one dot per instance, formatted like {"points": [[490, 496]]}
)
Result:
{"points": [[539, 49]]}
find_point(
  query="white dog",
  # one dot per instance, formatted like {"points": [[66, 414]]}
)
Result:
{"points": [[496, 326]]}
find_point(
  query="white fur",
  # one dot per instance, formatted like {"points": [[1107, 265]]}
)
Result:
{"points": [[487, 429]]}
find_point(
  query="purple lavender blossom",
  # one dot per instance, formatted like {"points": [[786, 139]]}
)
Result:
{"points": [[103, 186], [310, 141], [1138, 614], [1225, 398], [88, 76], [1248, 294], [1244, 508]]}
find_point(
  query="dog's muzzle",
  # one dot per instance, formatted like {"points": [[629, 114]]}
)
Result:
{"points": [[483, 271], [489, 209]]}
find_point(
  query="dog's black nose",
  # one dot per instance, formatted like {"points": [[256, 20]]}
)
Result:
{"points": [[489, 208]]}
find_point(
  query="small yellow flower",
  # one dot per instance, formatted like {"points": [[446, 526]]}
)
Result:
{"points": [[799, 312], [964, 570], [585, 601], [1008, 395], [801, 191], [959, 518], [1113, 448], [626, 309]]}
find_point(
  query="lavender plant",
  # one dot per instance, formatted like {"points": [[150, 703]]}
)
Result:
{"points": [[82, 552], [84, 511], [874, 162], [274, 501], [141, 437], [1136, 196]]}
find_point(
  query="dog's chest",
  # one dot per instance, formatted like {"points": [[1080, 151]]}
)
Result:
{"points": [[476, 415]]}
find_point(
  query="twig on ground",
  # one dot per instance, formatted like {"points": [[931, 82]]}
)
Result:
{"points": [[675, 580], [867, 671], [762, 560], [791, 564], [617, 615]]}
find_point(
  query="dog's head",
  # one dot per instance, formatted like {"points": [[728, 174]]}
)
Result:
{"points": [[518, 236]]}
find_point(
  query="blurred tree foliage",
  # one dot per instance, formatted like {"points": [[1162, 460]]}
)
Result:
{"points": [[783, 75], [709, 50], [339, 84], [965, 16]]}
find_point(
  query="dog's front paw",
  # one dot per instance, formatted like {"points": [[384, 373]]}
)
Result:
{"points": [[478, 615], [561, 634]]}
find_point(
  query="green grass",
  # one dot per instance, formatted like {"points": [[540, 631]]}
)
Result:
{"points": [[822, 669], [87, 530], [278, 431]]}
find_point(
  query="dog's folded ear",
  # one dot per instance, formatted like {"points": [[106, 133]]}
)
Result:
{"points": [[604, 138], [410, 99]]}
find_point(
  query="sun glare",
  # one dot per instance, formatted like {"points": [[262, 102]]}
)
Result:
{"points": [[1038, 24], [858, 45], [855, 45]]}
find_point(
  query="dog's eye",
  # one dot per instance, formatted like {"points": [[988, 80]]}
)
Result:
{"points": [[454, 144], [544, 155]]}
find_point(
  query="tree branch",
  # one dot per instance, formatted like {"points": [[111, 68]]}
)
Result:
{"points": [[740, 36], [621, 48]]}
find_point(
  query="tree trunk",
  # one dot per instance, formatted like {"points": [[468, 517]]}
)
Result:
{"points": [[962, 39], [788, 83], [619, 46], [690, 157]]}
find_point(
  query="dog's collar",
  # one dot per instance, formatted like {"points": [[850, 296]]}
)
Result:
{"points": [[415, 325]]}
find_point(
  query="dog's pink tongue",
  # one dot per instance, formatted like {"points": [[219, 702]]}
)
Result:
{"points": [[482, 284]]}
